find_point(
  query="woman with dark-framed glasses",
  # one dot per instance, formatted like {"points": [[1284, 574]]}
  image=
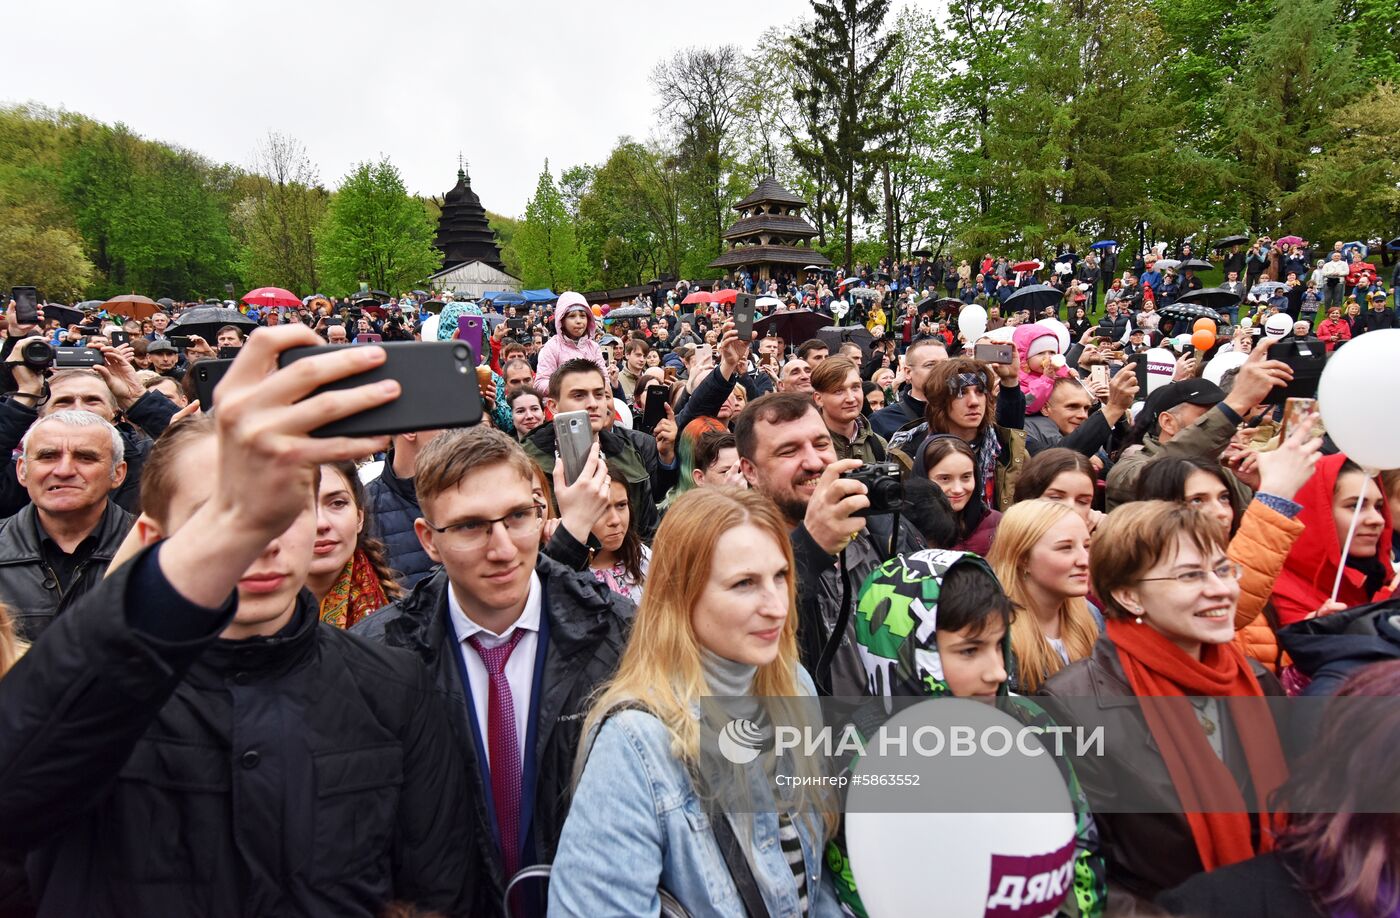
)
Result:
{"points": [[1190, 752]]}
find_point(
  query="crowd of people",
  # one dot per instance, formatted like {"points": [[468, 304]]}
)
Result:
{"points": [[248, 670]]}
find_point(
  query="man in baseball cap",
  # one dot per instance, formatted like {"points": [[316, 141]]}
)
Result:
{"points": [[1195, 418]]}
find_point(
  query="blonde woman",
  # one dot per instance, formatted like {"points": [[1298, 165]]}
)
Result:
{"points": [[722, 622], [1041, 557]]}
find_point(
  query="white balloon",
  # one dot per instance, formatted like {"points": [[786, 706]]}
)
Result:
{"points": [[1000, 335], [989, 860], [1223, 363], [1357, 375], [1161, 366], [972, 321]]}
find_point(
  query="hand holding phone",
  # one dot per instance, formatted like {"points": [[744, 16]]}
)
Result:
{"points": [[423, 371], [26, 304], [574, 438]]}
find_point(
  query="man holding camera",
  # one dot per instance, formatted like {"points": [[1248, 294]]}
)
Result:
{"points": [[787, 453]]}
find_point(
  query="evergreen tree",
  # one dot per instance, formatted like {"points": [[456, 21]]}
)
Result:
{"points": [[545, 245], [839, 58]]}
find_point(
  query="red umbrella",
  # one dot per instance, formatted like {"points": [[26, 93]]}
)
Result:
{"points": [[725, 296], [699, 296], [1027, 266], [272, 296]]}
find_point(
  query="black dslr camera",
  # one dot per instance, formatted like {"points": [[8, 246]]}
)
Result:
{"points": [[884, 484]]}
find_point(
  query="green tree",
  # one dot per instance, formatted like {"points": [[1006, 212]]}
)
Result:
{"points": [[839, 58], [1297, 72], [375, 232], [278, 217], [50, 259], [545, 246], [700, 90], [154, 218], [1354, 183]]}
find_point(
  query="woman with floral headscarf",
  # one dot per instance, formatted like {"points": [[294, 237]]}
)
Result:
{"points": [[447, 331]]}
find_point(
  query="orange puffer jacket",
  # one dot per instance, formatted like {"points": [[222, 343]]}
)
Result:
{"points": [[1260, 546]]}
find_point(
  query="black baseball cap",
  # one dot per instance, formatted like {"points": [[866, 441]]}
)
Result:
{"points": [[1201, 392]]}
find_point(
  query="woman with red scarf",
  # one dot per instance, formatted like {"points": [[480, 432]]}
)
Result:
{"points": [[1190, 753], [349, 573]]}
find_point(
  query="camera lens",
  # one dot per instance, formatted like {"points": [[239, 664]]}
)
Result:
{"points": [[886, 492], [462, 352]]}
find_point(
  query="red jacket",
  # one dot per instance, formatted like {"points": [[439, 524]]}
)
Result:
{"points": [[1305, 583], [1331, 328]]}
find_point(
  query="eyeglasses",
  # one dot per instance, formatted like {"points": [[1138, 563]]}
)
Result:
{"points": [[1225, 572], [470, 535]]}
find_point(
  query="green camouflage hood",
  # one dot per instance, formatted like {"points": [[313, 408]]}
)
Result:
{"points": [[896, 620]]}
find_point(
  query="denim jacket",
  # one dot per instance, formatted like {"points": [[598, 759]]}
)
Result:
{"points": [[636, 824]]}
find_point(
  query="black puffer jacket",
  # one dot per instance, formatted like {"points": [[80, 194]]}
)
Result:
{"points": [[309, 773], [587, 629], [394, 506], [27, 585]]}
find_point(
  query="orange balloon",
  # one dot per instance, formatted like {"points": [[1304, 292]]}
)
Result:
{"points": [[1204, 325], [1203, 339]]}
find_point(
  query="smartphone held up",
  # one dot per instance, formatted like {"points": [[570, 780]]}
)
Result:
{"points": [[437, 390]]}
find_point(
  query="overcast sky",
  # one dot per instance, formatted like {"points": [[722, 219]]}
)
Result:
{"points": [[506, 84]]}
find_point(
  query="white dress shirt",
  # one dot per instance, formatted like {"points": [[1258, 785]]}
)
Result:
{"points": [[520, 668]]}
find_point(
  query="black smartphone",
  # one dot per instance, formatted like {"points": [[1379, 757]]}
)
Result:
{"points": [[1138, 362], [180, 341], [515, 324], [26, 304], [995, 353], [439, 388], [89, 330], [655, 407], [1308, 358], [118, 338], [207, 374], [228, 353], [67, 358], [745, 306]]}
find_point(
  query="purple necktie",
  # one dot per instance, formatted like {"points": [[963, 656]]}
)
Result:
{"points": [[504, 747]]}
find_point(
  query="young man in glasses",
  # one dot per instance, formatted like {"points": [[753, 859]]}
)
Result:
{"points": [[515, 641]]}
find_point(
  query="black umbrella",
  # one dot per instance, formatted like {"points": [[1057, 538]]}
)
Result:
{"points": [[1189, 312], [1229, 241], [793, 325], [1393, 245], [1035, 298], [1211, 297], [940, 304], [1196, 264], [66, 315], [629, 312], [166, 303], [206, 321], [837, 335], [921, 253], [433, 306]]}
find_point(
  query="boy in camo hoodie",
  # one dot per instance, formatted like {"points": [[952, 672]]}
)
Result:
{"points": [[937, 624]]}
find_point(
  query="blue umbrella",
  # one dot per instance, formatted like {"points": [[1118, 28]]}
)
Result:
{"points": [[504, 297], [1104, 244], [1267, 288]]}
